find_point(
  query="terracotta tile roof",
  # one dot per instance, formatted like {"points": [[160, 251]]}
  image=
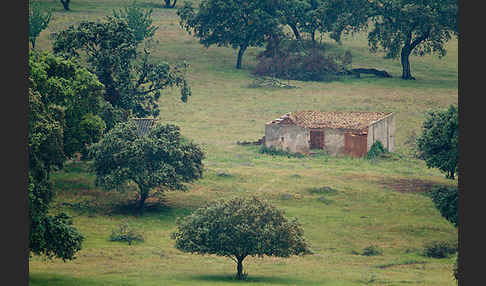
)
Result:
{"points": [[144, 125], [355, 120]]}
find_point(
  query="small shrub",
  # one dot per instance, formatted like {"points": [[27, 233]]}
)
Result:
{"points": [[126, 233], [324, 200], [139, 19], [371, 250], [439, 249], [376, 151]]}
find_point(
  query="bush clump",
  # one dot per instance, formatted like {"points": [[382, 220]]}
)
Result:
{"points": [[376, 150], [371, 250], [446, 200], [300, 60], [279, 152], [439, 249]]}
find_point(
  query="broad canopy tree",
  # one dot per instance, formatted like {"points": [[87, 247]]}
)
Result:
{"points": [[439, 142], [159, 159], [236, 23], [133, 83], [61, 95], [238, 228], [405, 27]]}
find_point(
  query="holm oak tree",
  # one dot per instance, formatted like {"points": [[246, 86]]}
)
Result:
{"points": [[159, 159], [238, 228], [236, 23], [405, 27]]}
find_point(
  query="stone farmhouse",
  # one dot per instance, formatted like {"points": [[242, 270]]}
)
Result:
{"points": [[337, 133]]}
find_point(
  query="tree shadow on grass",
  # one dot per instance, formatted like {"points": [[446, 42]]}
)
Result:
{"points": [[130, 207], [58, 280], [274, 280]]}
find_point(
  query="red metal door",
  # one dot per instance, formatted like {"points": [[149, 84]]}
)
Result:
{"points": [[316, 139], [355, 145]]}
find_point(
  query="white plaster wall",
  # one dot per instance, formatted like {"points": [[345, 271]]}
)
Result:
{"points": [[383, 131]]}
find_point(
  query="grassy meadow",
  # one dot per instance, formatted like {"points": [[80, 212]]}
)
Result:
{"points": [[379, 203]]}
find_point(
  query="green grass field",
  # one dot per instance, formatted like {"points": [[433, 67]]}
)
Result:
{"points": [[376, 203]]}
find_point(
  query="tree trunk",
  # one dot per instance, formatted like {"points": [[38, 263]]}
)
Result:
{"points": [[451, 175], [239, 268], [65, 3], [143, 196], [405, 54], [32, 41], [296, 31], [240, 56], [168, 5]]}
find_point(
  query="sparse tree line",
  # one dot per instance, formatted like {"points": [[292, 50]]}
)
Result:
{"points": [[399, 27], [81, 97], [83, 92]]}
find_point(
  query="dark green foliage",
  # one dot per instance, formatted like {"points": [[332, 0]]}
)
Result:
{"points": [[139, 19], [404, 27], [299, 60], [74, 89], [278, 152], [133, 83], [371, 250], [63, 101], [440, 249], [376, 150], [38, 21], [53, 236], [457, 271], [238, 228], [91, 129], [159, 159], [236, 23], [446, 200], [324, 16], [294, 14], [439, 142], [126, 233]]}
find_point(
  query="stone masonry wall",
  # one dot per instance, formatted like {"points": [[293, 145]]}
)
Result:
{"points": [[333, 141], [287, 137]]}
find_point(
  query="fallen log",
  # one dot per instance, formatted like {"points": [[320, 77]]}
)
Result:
{"points": [[378, 73]]}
